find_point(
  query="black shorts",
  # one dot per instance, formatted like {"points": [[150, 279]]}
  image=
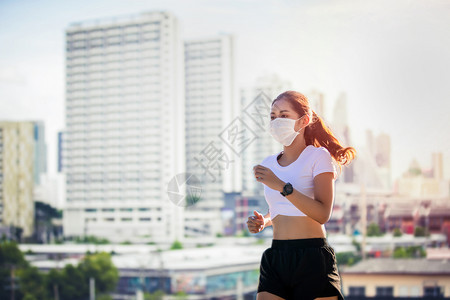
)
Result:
{"points": [[300, 269]]}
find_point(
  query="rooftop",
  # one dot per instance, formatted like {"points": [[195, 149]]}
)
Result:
{"points": [[404, 266], [205, 258]]}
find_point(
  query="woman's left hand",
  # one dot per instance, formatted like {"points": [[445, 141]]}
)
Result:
{"points": [[266, 176]]}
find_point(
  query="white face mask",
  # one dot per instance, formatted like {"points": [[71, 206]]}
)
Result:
{"points": [[282, 130]]}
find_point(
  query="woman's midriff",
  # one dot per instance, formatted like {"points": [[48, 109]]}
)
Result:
{"points": [[296, 227]]}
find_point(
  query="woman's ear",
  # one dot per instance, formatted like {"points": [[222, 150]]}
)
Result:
{"points": [[305, 120]]}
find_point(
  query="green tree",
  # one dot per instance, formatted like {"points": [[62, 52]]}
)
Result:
{"points": [[421, 231], [176, 245], [11, 254], [347, 258], [409, 252], [357, 245], [54, 283], [260, 242], [70, 283], [100, 267], [399, 252], [11, 261], [157, 295], [91, 239], [243, 233], [374, 230], [181, 295], [32, 283], [30, 297], [415, 171], [74, 284], [103, 297], [397, 232]]}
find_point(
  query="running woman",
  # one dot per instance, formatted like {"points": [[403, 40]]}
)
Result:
{"points": [[299, 189]]}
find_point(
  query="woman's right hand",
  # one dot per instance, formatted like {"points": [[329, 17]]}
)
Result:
{"points": [[256, 223]]}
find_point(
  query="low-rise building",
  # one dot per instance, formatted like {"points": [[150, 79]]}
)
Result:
{"points": [[389, 277]]}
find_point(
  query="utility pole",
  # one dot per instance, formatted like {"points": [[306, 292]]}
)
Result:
{"points": [[139, 294], [55, 291], [140, 289], [91, 288], [161, 271], [363, 220], [239, 289], [86, 220], [364, 209], [13, 292], [55, 286]]}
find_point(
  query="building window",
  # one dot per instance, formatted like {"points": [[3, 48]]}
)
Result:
{"points": [[357, 291], [403, 291], [415, 291], [385, 291], [432, 291]]}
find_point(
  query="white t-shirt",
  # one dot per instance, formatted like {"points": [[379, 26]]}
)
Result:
{"points": [[300, 173]]}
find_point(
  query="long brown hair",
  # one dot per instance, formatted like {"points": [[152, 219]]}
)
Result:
{"points": [[317, 133]]}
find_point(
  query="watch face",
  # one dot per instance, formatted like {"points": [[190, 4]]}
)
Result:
{"points": [[289, 188]]}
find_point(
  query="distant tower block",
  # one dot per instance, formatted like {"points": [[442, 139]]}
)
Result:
{"points": [[438, 166], [340, 120], [317, 102]]}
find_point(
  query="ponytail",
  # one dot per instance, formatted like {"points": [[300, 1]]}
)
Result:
{"points": [[317, 133]]}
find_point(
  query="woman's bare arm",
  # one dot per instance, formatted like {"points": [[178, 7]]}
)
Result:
{"points": [[319, 207]]}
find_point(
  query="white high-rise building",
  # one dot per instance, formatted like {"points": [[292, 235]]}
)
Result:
{"points": [[124, 137], [437, 165], [340, 121], [211, 107], [383, 159]]}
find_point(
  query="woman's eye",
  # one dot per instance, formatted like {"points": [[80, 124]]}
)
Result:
{"points": [[281, 116]]}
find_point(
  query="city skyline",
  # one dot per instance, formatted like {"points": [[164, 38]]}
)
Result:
{"points": [[392, 50]]}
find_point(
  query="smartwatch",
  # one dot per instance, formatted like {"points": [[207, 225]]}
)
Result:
{"points": [[287, 189]]}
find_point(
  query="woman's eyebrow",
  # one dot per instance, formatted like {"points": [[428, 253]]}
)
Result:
{"points": [[280, 111]]}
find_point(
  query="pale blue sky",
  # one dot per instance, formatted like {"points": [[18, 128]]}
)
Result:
{"points": [[392, 59]]}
